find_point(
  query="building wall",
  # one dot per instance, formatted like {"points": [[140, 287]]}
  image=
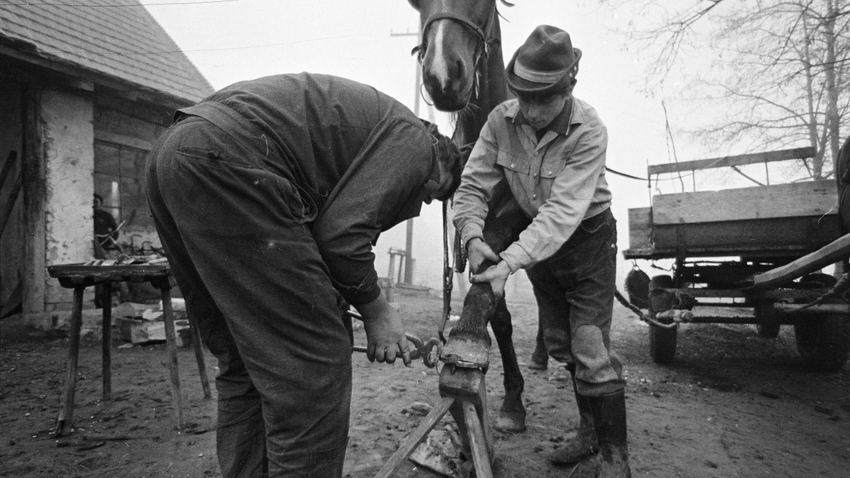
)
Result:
{"points": [[67, 144], [11, 238]]}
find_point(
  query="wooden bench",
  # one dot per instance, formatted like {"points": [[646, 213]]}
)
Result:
{"points": [[80, 276]]}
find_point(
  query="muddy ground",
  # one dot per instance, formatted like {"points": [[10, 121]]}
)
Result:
{"points": [[731, 405]]}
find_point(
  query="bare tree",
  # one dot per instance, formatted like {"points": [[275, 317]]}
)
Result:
{"points": [[774, 68]]}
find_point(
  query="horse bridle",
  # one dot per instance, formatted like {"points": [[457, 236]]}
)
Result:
{"points": [[485, 38]]}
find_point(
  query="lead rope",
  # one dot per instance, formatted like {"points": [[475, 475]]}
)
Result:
{"points": [[447, 274]]}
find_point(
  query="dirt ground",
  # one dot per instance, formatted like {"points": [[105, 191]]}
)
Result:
{"points": [[731, 405]]}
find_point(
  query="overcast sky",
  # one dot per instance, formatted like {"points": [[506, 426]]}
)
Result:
{"points": [[364, 40]]}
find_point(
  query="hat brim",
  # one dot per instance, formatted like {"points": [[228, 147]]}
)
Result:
{"points": [[521, 85]]}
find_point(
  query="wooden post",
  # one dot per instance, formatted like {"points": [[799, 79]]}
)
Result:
{"points": [[171, 345], [107, 341], [199, 356], [66, 416], [477, 441]]}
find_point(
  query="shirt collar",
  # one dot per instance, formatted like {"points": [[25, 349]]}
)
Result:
{"points": [[560, 124]]}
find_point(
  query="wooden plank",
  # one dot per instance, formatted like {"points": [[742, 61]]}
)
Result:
{"points": [[834, 252], [34, 202], [809, 198], [9, 203], [738, 160], [121, 139], [477, 441], [13, 301], [790, 236], [640, 228], [415, 438], [7, 167]]}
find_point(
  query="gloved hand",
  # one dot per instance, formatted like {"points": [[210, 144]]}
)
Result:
{"points": [[385, 336]]}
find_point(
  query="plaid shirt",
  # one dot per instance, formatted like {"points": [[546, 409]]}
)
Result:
{"points": [[558, 181]]}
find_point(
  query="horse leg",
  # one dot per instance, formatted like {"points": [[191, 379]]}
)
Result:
{"points": [[469, 341], [512, 414]]}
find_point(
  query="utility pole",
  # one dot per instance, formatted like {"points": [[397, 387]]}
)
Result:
{"points": [[408, 248]]}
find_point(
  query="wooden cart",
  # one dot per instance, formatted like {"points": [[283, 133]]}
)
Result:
{"points": [[760, 248]]}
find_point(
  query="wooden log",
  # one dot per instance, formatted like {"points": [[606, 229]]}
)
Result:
{"points": [[738, 160], [462, 383]]}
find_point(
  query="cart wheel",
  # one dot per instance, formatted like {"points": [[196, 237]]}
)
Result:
{"points": [[767, 326], [823, 342], [662, 342]]}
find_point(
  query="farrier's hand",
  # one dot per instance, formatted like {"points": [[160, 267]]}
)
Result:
{"points": [[385, 337], [478, 251], [497, 276]]}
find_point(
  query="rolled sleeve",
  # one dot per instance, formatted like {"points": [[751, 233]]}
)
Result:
{"points": [[480, 177]]}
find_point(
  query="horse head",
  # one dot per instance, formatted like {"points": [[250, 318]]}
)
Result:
{"points": [[457, 37]]}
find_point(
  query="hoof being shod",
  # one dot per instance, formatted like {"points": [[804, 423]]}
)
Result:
{"points": [[466, 353]]}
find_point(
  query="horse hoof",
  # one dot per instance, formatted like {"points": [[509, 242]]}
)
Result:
{"points": [[466, 353], [510, 422]]}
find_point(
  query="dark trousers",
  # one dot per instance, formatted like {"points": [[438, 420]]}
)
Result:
{"points": [[253, 279], [575, 296]]}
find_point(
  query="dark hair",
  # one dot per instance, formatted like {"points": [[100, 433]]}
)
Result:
{"points": [[447, 153], [98, 197]]}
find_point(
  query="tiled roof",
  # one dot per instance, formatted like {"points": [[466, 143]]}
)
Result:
{"points": [[116, 38]]}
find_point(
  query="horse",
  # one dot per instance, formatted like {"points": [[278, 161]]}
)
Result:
{"points": [[463, 72]]}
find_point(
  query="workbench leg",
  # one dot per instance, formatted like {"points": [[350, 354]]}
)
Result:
{"points": [[415, 438], [171, 345], [199, 355], [107, 342], [477, 441], [463, 432], [484, 417], [66, 415]]}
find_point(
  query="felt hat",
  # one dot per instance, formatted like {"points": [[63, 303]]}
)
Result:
{"points": [[545, 63]]}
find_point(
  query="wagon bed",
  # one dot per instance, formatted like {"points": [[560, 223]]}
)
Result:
{"points": [[755, 247], [772, 221]]}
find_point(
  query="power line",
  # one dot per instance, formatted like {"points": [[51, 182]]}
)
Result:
{"points": [[121, 5], [248, 47]]}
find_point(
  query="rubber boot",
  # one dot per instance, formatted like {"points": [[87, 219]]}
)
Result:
{"points": [[609, 420], [540, 357], [584, 443]]}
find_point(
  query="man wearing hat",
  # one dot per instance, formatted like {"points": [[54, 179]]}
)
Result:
{"points": [[549, 148]]}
